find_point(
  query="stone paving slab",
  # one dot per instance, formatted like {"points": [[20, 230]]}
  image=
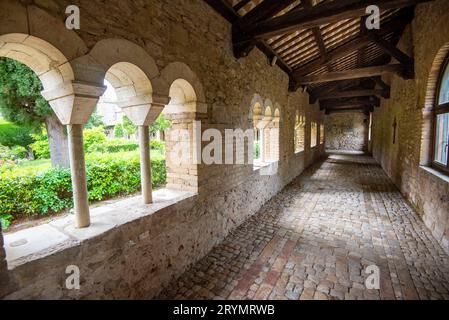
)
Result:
{"points": [[316, 239]]}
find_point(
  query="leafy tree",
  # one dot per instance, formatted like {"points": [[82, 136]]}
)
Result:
{"points": [[118, 132], [21, 103], [160, 124], [94, 136], [95, 121], [128, 126], [12, 135]]}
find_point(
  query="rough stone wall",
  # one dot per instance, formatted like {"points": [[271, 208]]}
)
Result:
{"points": [[426, 191], [346, 131], [137, 259], [4, 276]]}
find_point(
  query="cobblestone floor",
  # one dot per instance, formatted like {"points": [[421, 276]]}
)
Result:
{"points": [[315, 240]]}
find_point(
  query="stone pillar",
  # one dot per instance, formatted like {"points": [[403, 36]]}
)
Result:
{"points": [[143, 110], [73, 104], [78, 169], [145, 164]]}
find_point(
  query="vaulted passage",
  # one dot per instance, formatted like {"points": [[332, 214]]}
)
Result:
{"points": [[316, 239]]}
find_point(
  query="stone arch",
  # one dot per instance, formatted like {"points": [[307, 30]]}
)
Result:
{"points": [[36, 22], [429, 105], [183, 98], [256, 100], [186, 101], [111, 52], [134, 93], [269, 104], [184, 79], [131, 71], [277, 114], [43, 43], [50, 65]]}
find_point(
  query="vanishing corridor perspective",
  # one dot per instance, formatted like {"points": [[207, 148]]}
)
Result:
{"points": [[224, 149], [316, 238]]}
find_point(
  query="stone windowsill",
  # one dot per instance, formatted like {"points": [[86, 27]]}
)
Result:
{"points": [[299, 152], [258, 164], [265, 168], [436, 173], [60, 233]]}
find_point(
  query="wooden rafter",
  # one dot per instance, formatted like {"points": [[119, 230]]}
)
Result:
{"points": [[391, 49], [321, 47], [354, 93], [313, 17], [267, 9], [353, 74], [228, 12], [337, 103], [241, 4], [364, 109], [355, 44], [316, 31]]}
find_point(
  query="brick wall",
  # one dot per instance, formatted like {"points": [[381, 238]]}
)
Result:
{"points": [[346, 131], [427, 192]]}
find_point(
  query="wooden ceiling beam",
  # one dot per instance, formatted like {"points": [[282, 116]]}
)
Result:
{"points": [[378, 81], [315, 16], [354, 93], [265, 10], [351, 46], [349, 103], [365, 110], [316, 31], [241, 4], [353, 74], [227, 12]]}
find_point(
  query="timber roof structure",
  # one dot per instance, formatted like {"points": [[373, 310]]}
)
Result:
{"points": [[325, 46]]}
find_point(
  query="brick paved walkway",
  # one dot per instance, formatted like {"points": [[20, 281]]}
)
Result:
{"points": [[316, 238]]}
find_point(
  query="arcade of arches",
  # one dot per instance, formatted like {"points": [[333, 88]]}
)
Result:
{"points": [[303, 231]]}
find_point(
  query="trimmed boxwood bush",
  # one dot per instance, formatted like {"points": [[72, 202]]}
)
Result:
{"points": [[23, 192]]}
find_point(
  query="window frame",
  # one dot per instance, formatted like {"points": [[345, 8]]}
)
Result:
{"points": [[438, 110]]}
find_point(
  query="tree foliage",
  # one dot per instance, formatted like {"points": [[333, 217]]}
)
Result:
{"points": [[12, 135], [160, 124], [95, 121], [129, 127], [20, 99]]}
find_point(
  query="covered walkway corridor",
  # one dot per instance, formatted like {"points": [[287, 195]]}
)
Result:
{"points": [[316, 239]]}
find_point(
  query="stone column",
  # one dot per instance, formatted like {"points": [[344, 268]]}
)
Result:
{"points": [[78, 169], [145, 164], [143, 110], [73, 104]]}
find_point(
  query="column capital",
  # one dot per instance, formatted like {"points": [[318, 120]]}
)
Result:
{"points": [[74, 102], [143, 110]]}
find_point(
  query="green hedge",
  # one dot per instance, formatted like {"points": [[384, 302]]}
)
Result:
{"points": [[23, 192], [114, 146]]}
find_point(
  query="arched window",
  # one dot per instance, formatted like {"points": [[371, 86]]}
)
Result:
{"points": [[300, 122], [322, 133], [181, 148], [441, 121], [272, 138], [258, 140], [313, 134]]}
